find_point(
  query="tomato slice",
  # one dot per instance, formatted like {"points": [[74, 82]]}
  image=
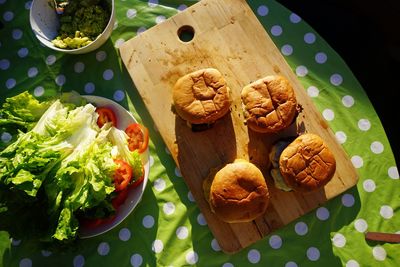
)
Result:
{"points": [[106, 115], [120, 198], [138, 137], [123, 175]]}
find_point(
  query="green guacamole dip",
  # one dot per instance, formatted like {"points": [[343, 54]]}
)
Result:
{"points": [[81, 22]]}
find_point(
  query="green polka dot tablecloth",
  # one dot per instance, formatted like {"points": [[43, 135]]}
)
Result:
{"points": [[167, 228]]}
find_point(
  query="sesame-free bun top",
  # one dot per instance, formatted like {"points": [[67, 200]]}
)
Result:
{"points": [[307, 164], [201, 96], [237, 192], [269, 104]]}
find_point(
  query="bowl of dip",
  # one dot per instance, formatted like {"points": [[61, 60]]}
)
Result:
{"points": [[78, 27]]}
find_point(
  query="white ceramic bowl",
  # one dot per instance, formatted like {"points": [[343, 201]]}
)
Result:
{"points": [[45, 24], [135, 194]]}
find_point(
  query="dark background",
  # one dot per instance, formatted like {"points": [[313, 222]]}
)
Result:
{"points": [[367, 37]]}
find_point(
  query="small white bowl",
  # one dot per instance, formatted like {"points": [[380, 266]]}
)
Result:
{"points": [[45, 24]]}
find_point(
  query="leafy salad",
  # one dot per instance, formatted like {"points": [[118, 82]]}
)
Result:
{"points": [[65, 165]]}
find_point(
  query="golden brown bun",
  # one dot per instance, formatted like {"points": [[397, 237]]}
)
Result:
{"points": [[307, 163], [237, 192], [269, 104], [201, 96]]}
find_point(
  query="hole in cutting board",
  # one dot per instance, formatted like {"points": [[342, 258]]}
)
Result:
{"points": [[186, 33]]}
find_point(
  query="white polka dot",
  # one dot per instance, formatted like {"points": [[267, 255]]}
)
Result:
{"points": [[201, 220], [168, 153], [89, 88], [15, 242], [215, 245], [10, 83], [182, 7], [60, 80], [119, 95], [379, 253], [294, 18], [119, 42], [275, 242], [309, 38], [341, 137], [101, 56], [276, 30], [157, 246], [50, 60], [136, 260], [182, 232], [348, 200], [348, 101], [25, 262], [8, 16], [339, 240], [336, 79], [322, 213], [321, 57], [32, 72], [108, 74], [291, 264], [103, 249], [151, 161], [178, 172], [148, 221], [2, 1], [328, 114], [79, 261], [313, 254], [17, 34], [115, 24], [38, 91], [124, 234], [153, 3], [287, 50], [6, 137], [23, 52], [357, 161], [190, 197], [313, 91], [360, 225], [192, 257], [160, 19], [369, 185], [301, 228], [393, 172], [227, 264], [79, 67], [141, 30], [386, 212], [377, 147], [262, 10], [253, 256], [352, 263], [28, 5], [131, 13], [4, 64], [364, 124], [46, 253], [169, 208], [159, 184], [301, 71]]}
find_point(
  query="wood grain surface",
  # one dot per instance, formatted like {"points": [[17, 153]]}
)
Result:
{"points": [[228, 37]]}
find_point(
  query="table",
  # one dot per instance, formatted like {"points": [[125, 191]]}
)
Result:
{"points": [[167, 228]]}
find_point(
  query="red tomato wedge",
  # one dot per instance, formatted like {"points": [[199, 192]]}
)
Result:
{"points": [[138, 137], [123, 175], [120, 198], [106, 115]]}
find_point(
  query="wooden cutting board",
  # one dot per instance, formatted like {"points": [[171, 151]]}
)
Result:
{"points": [[228, 37]]}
